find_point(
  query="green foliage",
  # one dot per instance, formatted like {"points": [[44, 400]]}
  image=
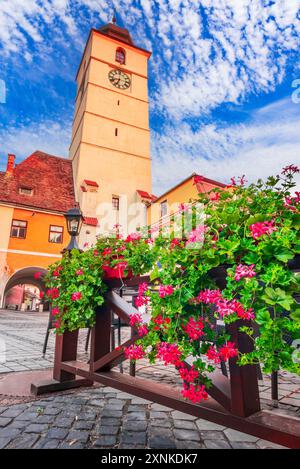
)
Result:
{"points": [[229, 241]]}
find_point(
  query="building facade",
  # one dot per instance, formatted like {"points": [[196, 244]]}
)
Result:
{"points": [[110, 147], [34, 195]]}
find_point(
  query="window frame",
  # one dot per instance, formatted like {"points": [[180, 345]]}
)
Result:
{"points": [[23, 227], [120, 50], [53, 231], [115, 197], [166, 205]]}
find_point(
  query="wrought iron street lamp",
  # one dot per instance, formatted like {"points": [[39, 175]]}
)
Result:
{"points": [[74, 220]]}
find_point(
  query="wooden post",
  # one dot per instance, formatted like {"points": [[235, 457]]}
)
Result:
{"points": [[101, 336], [65, 350], [243, 379]]}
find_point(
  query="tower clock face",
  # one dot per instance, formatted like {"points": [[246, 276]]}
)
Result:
{"points": [[119, 79]]}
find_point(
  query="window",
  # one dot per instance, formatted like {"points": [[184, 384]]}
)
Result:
{"points": [[115, 202], [116, 132], [56, 234], [163, 208], [25, 191], [120, 55], [18, 229]]}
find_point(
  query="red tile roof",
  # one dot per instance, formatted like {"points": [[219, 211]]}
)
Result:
{"points": [[91, 183], [49, 177], [90, 221]]}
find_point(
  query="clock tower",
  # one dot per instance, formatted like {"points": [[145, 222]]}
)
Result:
{"points": [[110, 147]]}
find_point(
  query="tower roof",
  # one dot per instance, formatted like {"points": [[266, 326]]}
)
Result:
{"points": [[116, 32]]}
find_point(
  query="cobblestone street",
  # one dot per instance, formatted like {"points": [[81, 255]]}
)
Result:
{"points": [[103, 417]]}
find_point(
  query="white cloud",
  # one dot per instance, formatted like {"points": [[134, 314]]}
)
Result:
{"points": [[259, 148], [47, 136]]}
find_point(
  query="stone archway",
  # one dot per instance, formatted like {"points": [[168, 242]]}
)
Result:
{"points": [[25, 276]]}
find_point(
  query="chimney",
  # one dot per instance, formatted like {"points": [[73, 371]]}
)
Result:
{"points": [[10, 163]]}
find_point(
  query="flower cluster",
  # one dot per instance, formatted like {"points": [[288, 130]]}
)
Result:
{"points": [[76, 296], [165, 290], [194, 393], [159, 322], [142, 299], [223, 306], [53, 293], [246, 271], [188, 375], [194, 328], [227, 351], [261, 228], [169, 353], [134, 352]]}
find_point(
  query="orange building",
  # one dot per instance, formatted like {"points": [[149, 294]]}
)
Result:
{"points": [[34, 195], [162, 208]]}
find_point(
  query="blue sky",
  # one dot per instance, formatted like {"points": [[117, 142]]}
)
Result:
{"points": [[221, 80]]}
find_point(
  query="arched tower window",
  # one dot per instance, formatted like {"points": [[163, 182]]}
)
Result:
{"points": [[120, 55]]}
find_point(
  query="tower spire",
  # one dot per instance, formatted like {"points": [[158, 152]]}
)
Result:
{"points": [[114, 20]]}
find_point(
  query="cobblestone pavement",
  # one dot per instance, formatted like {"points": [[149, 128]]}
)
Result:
{"points": [[104, 417], [21, 341]]}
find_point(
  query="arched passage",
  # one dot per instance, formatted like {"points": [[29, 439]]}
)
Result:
{"points": [[23, 288]]}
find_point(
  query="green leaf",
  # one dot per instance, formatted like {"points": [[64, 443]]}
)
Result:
{"points": [[263, 317]]}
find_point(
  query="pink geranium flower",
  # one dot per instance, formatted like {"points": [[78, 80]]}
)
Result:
{"points": [[37, 275], [244, 271], [134, 352], [194, 393], [76, 296], [262, 228], [169, 354], [165, 290]]}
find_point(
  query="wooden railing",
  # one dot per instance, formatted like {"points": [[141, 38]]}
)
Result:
{"points": [[233, 401]]}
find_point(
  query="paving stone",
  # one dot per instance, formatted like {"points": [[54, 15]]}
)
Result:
{"points": [[135, 426], [136, 438], [162, 443], [181, 416], [83, 425], [184, 434], [139, 400], [158, 415], [36, 428], [185, 424], [110, 422], [11, 413], [4, 442], [113, 406], [57, 433], [78, 435], [264, 444], [44, 443], [9, 432], [72, 445], [136, 416], [23, 441], [108, 430], [234, 435], [64, 422], [27, 416], [160, 408], [4, 421], [136, 408], [166, 423], [212, 435], [206, 425], [97, 402], [181, 444], [87, 416], [243, 445], [213, 444], [106, 441], [111, 413]]}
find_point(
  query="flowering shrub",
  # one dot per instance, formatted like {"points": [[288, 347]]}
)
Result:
{"points": [[250, 234]]}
